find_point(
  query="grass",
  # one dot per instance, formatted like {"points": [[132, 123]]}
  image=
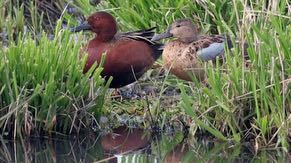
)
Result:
{"points": [[43, 89], [245, 101]]}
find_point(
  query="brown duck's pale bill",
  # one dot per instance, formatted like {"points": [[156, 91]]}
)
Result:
{"points": [[161, 36], [83, 27]]}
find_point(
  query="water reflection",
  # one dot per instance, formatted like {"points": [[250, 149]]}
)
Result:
{"points": [[131, 145], [119, 145], [124, 140], [177, 154], [50, 150]]}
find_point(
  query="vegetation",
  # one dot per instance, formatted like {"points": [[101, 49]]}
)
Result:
{"points": [[245, 101], [42, 88]]}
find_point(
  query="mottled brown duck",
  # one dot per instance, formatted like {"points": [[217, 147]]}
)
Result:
{"points": [[185, 55]]}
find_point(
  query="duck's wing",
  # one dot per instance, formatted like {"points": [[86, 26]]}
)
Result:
{"points": [[144, 35], [210, 47]]}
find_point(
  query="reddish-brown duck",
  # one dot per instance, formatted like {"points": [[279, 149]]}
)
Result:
{"points": [[128, 55]]}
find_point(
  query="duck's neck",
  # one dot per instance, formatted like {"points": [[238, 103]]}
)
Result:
{"points": [[106, 34], [189, 34], [103, 38]]}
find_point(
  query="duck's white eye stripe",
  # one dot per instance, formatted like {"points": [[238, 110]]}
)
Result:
{"points": [[211, 52]]}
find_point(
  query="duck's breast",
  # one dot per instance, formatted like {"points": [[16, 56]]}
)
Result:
{"points": [[173, 54], [181, 59]]}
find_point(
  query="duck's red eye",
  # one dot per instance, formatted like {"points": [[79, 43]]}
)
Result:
{"points": [[178, 26]]}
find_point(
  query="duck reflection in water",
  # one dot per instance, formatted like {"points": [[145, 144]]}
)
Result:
{"points": [[176, 155], [124, 140]]}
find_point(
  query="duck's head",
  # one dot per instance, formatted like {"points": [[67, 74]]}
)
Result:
{"points": [[182, 29], [101, 23]]}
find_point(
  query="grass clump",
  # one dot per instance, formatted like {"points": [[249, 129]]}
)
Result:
{"points": [[43, 89]]}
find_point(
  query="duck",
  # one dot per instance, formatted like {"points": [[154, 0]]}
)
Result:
{"points": [[184, 56], [128, 55]]}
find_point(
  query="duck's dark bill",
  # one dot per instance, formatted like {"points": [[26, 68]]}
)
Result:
{"points": [[82, 27], [161, 36]]}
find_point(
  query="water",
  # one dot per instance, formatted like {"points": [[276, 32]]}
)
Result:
{"points": [[132, 145]]}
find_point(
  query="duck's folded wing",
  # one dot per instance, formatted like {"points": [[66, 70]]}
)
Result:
{"points": [[208, 48], [145, 35], [211, 52]]}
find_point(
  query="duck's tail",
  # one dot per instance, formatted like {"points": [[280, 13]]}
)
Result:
{"points": [[230, 45], [228, 42], [158, 50]]}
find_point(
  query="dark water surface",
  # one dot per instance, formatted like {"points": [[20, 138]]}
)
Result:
{"points": [[132, 145]]}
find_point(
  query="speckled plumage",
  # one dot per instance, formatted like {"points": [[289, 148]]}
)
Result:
{"points": [[178, 58]]}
